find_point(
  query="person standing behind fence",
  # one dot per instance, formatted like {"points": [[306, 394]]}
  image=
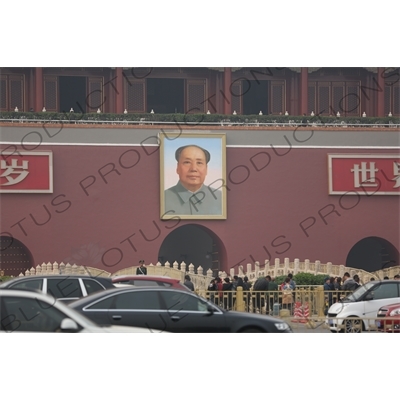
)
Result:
{"points": [[235, 282], [260, 290], [273, 297], [188, 283], [212, 287], [349, 283], [220, 290], [338, 287], [227, 287], [287, 295], [328, 289], [246, 293]]}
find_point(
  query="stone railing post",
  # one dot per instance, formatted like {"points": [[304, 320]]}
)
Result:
{"points": [[49, 268], [62, 267], [248, 268], [307, 265], [191, 268], [74, 269], [68, 269], [317, 267], [296, 266], [277, 266], [257, 269], [56, 270]]}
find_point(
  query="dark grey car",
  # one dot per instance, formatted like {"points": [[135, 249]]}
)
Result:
{"points": [[170, 310]]}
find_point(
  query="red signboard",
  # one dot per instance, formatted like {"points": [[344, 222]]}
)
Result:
{"points": [[364, 174], [26, 172]]}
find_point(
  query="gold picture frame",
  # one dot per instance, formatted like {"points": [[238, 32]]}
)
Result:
{"points": [[192, 175]]}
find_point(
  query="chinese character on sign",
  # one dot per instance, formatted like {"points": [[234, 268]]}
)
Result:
{"points": [[396, 173], [14, 173], [367, 175]]}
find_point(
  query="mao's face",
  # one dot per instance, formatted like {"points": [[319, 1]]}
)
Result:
{"points": [[192, 168]]}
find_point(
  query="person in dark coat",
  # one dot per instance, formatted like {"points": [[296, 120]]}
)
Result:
{"points": [[329, 287], [212, 287], [188, 283], [227, 287], [141, 270], [247, 295], [260, 288]]}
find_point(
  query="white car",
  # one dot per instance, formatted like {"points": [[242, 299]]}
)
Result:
{"points": [[357, 311], [27, 311]]}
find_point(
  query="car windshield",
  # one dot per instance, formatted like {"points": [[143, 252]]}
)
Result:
{"points": [[358, 293]]}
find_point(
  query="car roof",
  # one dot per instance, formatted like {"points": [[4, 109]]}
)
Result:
{"points": [[145, 277], [58, 276]]}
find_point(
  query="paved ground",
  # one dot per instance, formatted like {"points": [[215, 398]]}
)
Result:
{"points": [[313, 326]]}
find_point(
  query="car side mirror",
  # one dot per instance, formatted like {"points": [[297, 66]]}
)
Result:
{"points": [[68, 325], [369, 296], [210, 309]]}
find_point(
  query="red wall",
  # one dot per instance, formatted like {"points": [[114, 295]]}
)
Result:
{"points": [[265, 210]]}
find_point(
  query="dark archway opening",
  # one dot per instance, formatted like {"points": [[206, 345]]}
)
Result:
{"points": [[14, 257], [165, 95], [255, 97], [372, 254], [193, 244], [72, 93]]}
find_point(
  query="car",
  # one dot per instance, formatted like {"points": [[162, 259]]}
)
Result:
{"points": [[357, 311], [148, 280], [30, 311], [172, 310], [63, 287], [389, 318]]}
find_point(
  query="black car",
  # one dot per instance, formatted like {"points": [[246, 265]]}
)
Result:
{"points": [[171, 310], [62, 287]]}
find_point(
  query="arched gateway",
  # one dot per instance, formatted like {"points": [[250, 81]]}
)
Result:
{"points": [[194, 244], [14, 256], [372, 254]]}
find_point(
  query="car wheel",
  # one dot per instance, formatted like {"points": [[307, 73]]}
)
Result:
{"points": [[251, 330], [353, 326]]}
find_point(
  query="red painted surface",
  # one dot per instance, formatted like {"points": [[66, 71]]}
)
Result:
{"points": [[367, 175], [104, 211], [35, 170]]}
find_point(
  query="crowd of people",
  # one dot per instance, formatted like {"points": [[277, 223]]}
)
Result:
{"points": [[265, 293], [259, 297]]}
